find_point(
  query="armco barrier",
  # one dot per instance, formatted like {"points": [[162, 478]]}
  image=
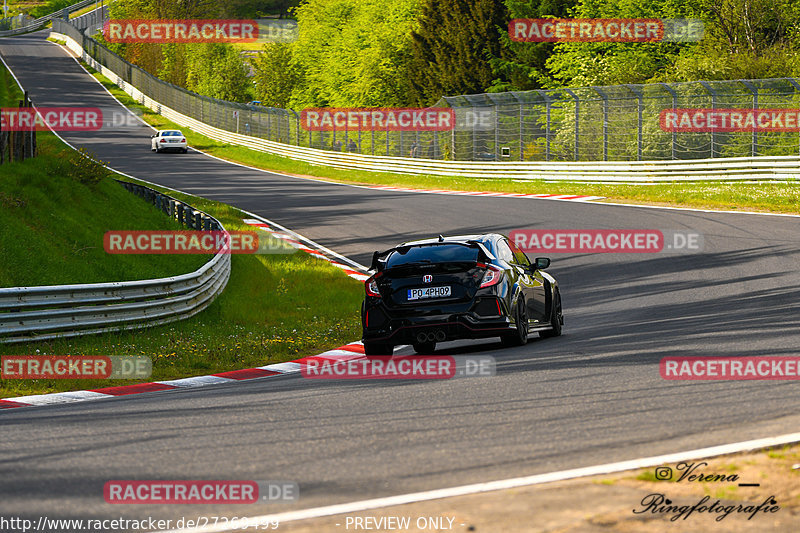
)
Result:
{"points": [[48, 312], [738, 168], [38, 24]]}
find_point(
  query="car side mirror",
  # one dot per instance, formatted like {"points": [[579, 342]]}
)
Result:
{"points": [[542, 263]]}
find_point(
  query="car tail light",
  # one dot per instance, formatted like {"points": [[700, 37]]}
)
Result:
{"points": [[162, 140], [183, 140], [492, 276], [371, 286]]}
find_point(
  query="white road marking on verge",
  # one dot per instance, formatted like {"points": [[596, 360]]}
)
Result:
{"points": [[283, 368], [59, 397], [365, 505], [197, 381]]}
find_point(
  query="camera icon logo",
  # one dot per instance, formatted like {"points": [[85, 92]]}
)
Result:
{"points": [[663, 473]]}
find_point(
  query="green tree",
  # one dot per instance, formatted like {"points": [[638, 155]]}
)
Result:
{"points": [[217, 70], [450, 51], [744, 39], [276, 77], [612, 63], [521, 66], [352, 52]]}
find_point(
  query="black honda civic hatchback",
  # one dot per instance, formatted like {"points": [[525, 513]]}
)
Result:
{"points": [[464, 287]]}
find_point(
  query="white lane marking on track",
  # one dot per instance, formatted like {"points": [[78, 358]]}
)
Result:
{"points": [[313, 244], [365, 505], [316, 253]]}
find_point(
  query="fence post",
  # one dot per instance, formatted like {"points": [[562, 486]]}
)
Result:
{"points": [[604, 96], [546, 99], [713, 94], [521, 122], [577, 118], [754, 141], [797, 90], [674, 95], [639, 105]]}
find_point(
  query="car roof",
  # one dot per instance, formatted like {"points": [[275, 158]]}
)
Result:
{"points": [[482, 238]]}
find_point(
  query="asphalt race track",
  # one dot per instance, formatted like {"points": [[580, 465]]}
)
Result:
{"points": [[592, 396]]}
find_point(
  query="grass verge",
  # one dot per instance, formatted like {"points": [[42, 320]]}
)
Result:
{"points": [[764, 196], [54, 212], [275, 308]]}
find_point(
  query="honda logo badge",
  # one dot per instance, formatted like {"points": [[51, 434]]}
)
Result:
{"points": [[427, 278]]}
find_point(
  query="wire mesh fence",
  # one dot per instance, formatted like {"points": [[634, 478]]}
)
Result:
{"points": [[608, 123]]}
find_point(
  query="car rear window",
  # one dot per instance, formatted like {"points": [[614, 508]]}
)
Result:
{"points": [[171, 134], [435, 253]]}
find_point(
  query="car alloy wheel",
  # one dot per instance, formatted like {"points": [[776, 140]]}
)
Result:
{"points": [[519, 336], [556, 318]]}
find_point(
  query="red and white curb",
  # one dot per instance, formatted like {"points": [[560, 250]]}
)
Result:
{"points": [[347, 352], [541, 196], [300, 246]]}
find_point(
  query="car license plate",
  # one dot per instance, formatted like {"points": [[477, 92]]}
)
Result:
{"points": [[173, 141], [428, 292]]}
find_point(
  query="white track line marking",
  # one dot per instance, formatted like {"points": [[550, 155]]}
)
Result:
{"points": [[365, 505]]}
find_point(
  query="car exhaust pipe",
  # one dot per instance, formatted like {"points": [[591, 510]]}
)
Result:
{"points": [[432, 336]]}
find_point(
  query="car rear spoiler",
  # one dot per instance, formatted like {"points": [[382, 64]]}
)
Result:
{"points": [[484, 254]]}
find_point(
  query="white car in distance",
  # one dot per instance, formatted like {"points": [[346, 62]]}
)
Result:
{"points": [[165, 140]]}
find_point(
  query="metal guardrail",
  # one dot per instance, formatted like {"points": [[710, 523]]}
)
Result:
{"points": [[48, 312], [93, 20], [733, 168], [41, 22]]}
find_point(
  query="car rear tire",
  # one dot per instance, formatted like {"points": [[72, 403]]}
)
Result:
{"points": [[185, 150], [424, 348], [556, 318], [378, 348], [519, 336]]}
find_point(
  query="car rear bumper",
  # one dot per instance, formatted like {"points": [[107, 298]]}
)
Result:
{"points": [[178, 147], [438, 328]]}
